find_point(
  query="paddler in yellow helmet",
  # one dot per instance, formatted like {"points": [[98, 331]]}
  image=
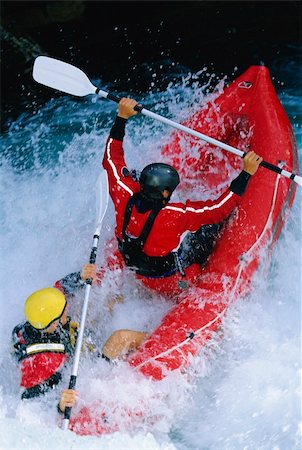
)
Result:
{"points": [[44, 343], [45, 307]]}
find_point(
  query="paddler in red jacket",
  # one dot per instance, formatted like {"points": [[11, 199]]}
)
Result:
{"points": [[46, 341], [149, 227]]}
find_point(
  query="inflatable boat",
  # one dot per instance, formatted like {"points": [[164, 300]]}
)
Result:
{"points": [[247, 114]]}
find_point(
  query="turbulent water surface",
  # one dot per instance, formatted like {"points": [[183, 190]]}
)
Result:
{"points": [[247, 396]]}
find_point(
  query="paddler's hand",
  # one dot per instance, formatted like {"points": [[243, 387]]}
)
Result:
{"points": [[68, 398], [89, 271], [125, 108], [251, 162]]}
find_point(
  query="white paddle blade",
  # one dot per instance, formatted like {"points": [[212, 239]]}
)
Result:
{"points": [[62, 76]]}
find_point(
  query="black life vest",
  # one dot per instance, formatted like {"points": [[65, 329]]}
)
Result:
{"points": [[27, 340], [132, 248], [41, 356]]}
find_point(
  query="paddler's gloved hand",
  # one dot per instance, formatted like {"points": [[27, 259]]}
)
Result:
{"points": [[251, 162], [68, 398], [125, 108], [89, 271]]}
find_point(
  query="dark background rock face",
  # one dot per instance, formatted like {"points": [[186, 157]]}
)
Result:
{"points": [[124, 43]]}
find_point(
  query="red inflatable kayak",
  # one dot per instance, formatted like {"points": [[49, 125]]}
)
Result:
{"points": [[246, 115]]}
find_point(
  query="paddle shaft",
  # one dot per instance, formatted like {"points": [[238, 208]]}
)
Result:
{"points": [[76, 360], [202, 136], [102, 200]]}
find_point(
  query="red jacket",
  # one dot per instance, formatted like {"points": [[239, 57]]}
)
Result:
{"points": [[173, 221]]}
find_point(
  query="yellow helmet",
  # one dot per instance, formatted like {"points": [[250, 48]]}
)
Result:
{"points": [[44, 306]]}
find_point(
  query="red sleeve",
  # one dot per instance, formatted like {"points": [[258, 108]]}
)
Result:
{"points": [[121, 184], [204, 213]]}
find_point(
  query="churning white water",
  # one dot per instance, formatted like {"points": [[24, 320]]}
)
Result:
{"points": [[246, 396]]}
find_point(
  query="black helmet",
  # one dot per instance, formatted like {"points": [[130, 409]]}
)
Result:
{"points": [[157, 177]]}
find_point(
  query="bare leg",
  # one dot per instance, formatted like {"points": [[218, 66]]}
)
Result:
{"points": [[121, 342]]}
